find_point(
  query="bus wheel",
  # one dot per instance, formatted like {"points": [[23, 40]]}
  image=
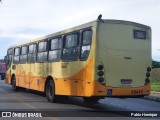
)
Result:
{"points": [[50, 91], [14, 87], [91, 99]]}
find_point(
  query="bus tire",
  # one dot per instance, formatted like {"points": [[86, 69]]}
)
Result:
{"points": [[14, 87], [91, 99], [50, 91]]}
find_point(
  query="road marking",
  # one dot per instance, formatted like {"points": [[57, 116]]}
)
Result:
{"points": [[25, 103], [12, 94], [33, 107]]}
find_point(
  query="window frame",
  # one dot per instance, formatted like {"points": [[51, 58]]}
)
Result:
{"points": [[77, 46], [9, 50], [78, 39], [34, 43], [49, 46], [46, 46], [81, 44], [23, 54], [50, 39], [46, 51], [17, 55], [21, 49]]}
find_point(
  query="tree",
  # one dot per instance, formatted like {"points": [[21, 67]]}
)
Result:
{"points": [[155, 64]]}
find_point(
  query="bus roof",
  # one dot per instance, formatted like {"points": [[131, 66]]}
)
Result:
{"points": [[86, 25]]}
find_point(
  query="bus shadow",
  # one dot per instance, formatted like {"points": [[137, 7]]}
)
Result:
{"points": [[93, 108]]}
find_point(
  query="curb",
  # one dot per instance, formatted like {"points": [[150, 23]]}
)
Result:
{"points": [[154, 92], [154, 96]]}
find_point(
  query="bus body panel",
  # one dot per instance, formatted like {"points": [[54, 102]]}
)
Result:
{"points": [[123, 56], [71, 77]]}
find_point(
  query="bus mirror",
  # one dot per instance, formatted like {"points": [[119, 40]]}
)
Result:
{"points": [[6, 60]]}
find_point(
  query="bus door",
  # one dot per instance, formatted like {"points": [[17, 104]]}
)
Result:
{"points": [[38, 65], [41, 65], [23, 67], [31, 75], [39, 75]]}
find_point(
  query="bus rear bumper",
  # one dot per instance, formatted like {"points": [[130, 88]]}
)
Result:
{"points": [[101, 90]]}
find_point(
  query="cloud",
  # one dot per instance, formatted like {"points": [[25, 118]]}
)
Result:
{"points": [[23, 20], [19, 36]]}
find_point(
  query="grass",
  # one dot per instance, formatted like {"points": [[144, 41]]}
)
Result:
{"points": [[155, 86], [155, 80]]}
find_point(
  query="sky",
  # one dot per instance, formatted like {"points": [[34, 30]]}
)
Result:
{"points": [[22, 20]]}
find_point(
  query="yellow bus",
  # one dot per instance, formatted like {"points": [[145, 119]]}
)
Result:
{"points": [[102, 58]]}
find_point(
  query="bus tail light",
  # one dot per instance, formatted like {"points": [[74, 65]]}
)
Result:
{"points": [[147, 80], [147, 74], [148, 69], [100, 73], [101, 79], [100, 67]]}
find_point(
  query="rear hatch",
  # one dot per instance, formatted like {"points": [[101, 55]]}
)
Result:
{"points": [[124, 49]]}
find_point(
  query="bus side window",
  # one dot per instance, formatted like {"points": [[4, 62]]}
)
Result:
{"points": [[24, 56], [16, 55], [32, 52], [71, 51], [85, 44], [55, 49], [9, 56], [42, 52], [10, 51]]}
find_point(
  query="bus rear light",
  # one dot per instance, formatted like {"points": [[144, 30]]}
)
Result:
{"points": [[148, 69], [101, 79], [147, 80], [147, 74], [100, 73], [100, 67]]}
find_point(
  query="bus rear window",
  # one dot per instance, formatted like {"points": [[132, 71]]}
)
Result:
{"points": [[138, 34]]}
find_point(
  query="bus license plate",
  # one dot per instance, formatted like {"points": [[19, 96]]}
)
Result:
{"points": [[126, 81]]}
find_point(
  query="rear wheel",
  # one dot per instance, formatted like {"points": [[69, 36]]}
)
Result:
{"points": [[14, 87], [50, 91]]}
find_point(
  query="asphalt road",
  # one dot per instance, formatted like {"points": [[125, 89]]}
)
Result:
{"points": [[114, 108]]}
